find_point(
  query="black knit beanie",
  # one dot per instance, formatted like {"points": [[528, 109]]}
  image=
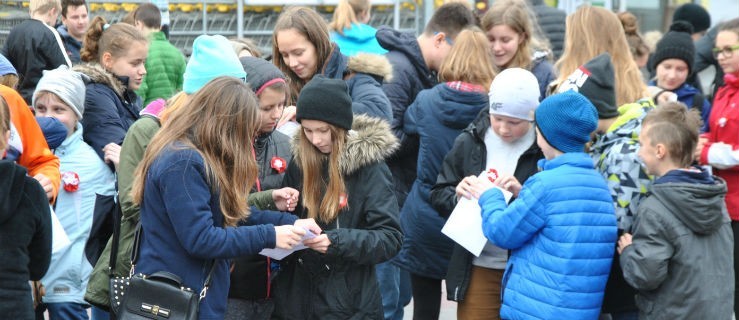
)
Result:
{"points": [[260, 72], [327, 100], [676, 44], [694, 14], [596, 81]]}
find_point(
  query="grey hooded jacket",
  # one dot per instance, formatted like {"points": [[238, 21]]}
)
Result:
{"points": [[681, 259]]}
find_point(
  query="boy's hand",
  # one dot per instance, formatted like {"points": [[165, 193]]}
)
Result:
{"points": [[509, 183], [623, 242], [464, 188]]}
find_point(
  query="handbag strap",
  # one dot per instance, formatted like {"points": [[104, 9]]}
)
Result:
{"points": [[117, 217], [135, 258]]}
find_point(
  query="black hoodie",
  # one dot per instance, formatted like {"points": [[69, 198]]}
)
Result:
{"points": [[25, 239]]}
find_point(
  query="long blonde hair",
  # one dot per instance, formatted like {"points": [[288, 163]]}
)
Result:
{"points": [[592, 31], [346, 14], [518, 16], [321, 196], [224, 105], [469, 60]]}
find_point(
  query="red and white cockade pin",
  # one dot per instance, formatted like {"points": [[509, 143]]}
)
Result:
{"points": [[492, 175], [278, 164], [71, 181], [343, 200]]}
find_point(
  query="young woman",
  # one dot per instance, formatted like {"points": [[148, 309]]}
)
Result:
{"points": [[717, 147], [345, 185], [673, 62], [192, 188], [350, 31], [502, 139], [115, 56], [301, 49], [510, 29], [584, 42], [437, 117]]}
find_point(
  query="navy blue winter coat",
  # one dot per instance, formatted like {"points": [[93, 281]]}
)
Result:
{"points": [[364, 74], [686, 94], [183, 229], [110, 107], [410, 76], [437, 117]]}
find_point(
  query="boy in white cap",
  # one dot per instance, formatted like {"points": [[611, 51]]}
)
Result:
{"points": [[503, 139], [60, 94]]}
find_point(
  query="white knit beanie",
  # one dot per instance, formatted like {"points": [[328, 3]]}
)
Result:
{"points": [[514, 93]]}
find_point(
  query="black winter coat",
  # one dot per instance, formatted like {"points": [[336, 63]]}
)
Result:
{"points": [[466, 158], [32, 48], [411, 75], [341, 284], [552, 23], [25, 239]]}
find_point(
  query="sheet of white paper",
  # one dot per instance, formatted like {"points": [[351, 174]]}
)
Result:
{"points": [[464, 225], [59, 238], [279, 254]]}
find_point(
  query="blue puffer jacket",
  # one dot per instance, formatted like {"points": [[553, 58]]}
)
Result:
{"points": [[685, 94], [364, 75], [562, 232], [358, 38], [437, 116]]}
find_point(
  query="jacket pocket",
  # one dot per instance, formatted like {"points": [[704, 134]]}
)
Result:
{"points": [[504, 282]]}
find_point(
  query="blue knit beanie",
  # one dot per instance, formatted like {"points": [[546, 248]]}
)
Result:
{"points": [[212, 57], [566, 121]]}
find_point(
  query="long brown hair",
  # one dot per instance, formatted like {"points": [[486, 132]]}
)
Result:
{"points": [[219, 122], [115, 39], [311, 25], [469, 60], [321, 197], [585, 39], [346, 14]]}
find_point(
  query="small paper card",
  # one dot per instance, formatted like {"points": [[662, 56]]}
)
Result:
{"points": [[464, 225], [279, 254]]}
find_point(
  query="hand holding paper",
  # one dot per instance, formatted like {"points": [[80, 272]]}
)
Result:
{"points": [[280, 253]]}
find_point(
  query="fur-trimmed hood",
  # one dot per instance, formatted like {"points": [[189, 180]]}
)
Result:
{"points": [[370, 141], [98, 74], [372, 64], [338, 65]]}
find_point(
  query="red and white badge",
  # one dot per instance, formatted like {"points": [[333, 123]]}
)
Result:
{"points": [[71, 181], [279, 164], [492, 175]]}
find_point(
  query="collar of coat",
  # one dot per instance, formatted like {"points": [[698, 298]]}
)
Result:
{"points": [[370, 141], [98, 74]]}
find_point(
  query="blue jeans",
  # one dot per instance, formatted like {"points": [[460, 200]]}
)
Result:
{"points": [[395, 289], [99, 314], [67, 311]]}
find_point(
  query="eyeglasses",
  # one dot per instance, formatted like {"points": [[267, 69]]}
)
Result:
{"points": [[728, 51]]}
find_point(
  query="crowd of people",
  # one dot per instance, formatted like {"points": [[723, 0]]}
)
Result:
{"points": [[355, 145]]}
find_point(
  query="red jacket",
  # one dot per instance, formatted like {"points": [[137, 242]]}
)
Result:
{"points": [[724, 128]]}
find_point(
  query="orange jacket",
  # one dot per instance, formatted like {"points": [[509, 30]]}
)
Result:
{"points": [[35, 155]]}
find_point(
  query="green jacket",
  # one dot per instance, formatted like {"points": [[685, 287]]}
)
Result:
{"points": [[165, 66], [132, 152]]}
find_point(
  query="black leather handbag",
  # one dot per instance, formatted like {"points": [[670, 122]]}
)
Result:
{"points": [[160, 295]]}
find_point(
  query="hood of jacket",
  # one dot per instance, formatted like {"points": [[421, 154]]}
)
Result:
{"points": [[370, 141], [62, 29], [98, 74], [11, 185], [360, 32], [339, 65], [700, 206], [627, 126], [457, 109], [407, 45]]}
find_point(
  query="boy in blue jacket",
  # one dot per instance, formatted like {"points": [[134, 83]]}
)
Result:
{"points": [[561, 229]]}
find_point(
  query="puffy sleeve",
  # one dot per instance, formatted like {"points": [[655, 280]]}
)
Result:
{"points": [[512, 226], [645, 263]]}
